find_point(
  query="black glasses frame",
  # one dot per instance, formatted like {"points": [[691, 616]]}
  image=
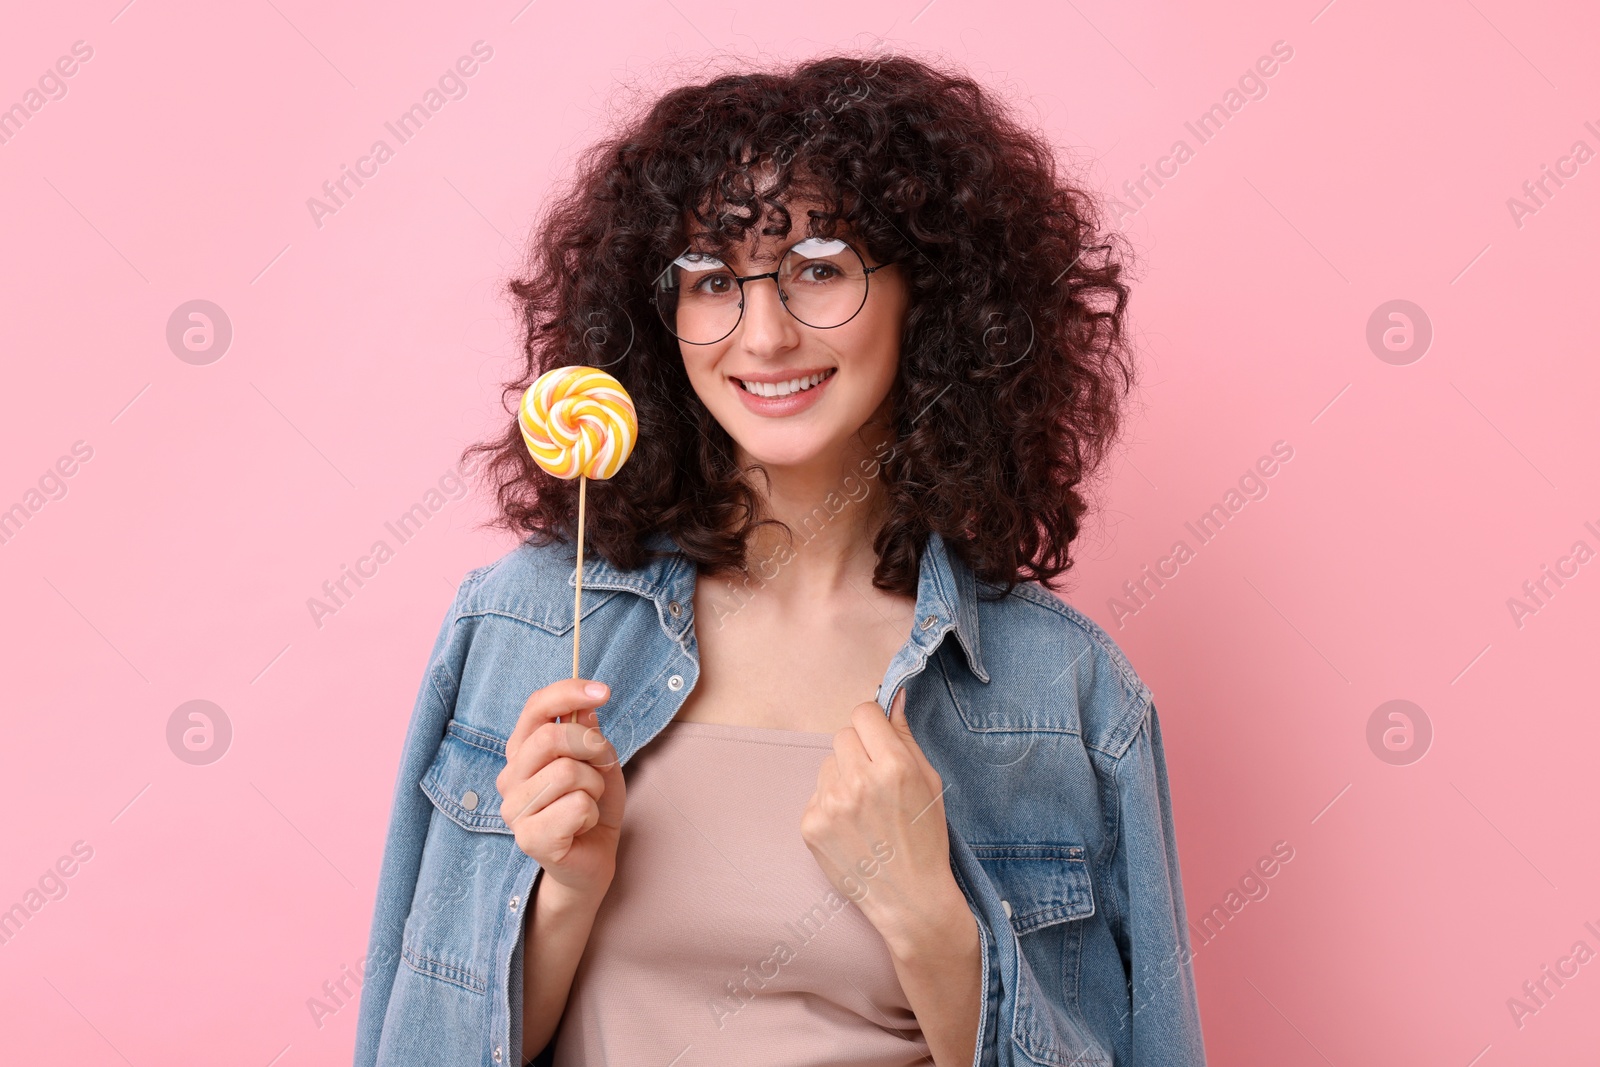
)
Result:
{"points": [[783, 297]]}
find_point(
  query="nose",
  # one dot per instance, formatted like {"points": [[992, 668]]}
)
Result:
{"points": [[767, 327]]}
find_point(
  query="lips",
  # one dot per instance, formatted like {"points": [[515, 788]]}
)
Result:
{"points": [[789, 403]]}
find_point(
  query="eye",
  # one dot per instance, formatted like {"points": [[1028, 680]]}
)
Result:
{"points": [[818, 272], [699, 274], [718, 283]]}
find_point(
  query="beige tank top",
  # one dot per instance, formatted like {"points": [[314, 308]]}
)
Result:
{"points": [[720, 940]]}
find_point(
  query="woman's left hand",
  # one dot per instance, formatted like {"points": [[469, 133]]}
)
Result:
{"points": [[876, 826]]}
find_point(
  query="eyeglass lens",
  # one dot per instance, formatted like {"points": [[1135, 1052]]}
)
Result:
{"points": [[822, 282]]}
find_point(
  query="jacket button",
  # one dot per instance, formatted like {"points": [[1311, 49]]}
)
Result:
{"points": [[1006, 904], [469, 800], [675, 683], [514, 902], [496, 1054], [929, 621], [675, 608]]}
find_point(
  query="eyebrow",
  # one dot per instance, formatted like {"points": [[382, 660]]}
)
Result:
{"points": [[765, 257]]}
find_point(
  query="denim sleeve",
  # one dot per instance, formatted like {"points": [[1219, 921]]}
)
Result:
{"points": [[402, 850], [1147, 912]]}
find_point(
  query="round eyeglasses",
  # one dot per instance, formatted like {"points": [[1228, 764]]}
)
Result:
{"points": [[821, 281]]}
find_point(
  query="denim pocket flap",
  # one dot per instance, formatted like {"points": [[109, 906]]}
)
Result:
{"points": [[461, 781], [1039, 884]]}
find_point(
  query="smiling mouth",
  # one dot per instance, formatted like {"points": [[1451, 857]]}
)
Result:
{"points": [[795, 385]]}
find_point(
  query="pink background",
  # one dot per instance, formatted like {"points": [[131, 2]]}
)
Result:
{"points": [[367, 352]]}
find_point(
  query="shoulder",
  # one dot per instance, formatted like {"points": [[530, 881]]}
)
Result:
{"points": [[1084, 674], [509, 632], [530, 584]]}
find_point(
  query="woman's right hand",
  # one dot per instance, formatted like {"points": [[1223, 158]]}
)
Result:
{"points": [[562, 790]]}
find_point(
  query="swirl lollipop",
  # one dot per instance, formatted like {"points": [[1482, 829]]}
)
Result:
{"points": [[578, 422]]}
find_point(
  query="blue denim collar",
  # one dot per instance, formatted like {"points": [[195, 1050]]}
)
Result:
{"points": [[947, 593]]}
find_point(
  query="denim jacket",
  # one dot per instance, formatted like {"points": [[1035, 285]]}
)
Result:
{"points": [[1060, 822]]}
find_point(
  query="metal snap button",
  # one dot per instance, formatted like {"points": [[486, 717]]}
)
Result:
{"points": [[1006, 904], [675, 683], [514, 902], [496, 1054], [469, 800], [929, 621], [675, 608]]}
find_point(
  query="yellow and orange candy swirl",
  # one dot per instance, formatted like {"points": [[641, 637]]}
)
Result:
{"points": [[578, 420]]}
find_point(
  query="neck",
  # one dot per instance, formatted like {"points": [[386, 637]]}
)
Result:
{"points": [[833, 510]]}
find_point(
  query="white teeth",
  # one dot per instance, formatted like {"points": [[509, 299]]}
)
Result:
{"points": [[783, 388]]}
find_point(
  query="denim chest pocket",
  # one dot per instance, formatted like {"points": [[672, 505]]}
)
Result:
{"points": [[1042, 884], [467, 861], [1047, 892]]}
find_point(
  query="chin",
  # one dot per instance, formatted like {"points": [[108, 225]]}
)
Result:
{"points": [[771, 454], [789, 447]]}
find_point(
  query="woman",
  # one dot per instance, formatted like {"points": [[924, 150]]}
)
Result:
{"points": [[876, 347]]}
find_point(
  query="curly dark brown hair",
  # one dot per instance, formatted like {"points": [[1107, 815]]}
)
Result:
{"points": [[1013, 361]]}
